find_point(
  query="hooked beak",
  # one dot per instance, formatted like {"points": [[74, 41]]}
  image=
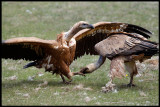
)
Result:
{"points": [[91, 26]]}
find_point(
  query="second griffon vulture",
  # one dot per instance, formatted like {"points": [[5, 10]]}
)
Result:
{"points": [[123, 44], [57, 55]]}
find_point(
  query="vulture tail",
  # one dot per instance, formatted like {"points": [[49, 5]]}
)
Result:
{"points": [[29, 65], [151, 48]]}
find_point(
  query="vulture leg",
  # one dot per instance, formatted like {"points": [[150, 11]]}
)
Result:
{"points": [[117, 69], [93, 66], [109, 86], [132, 69], [78, 73], [64, 81], [63, 78], [66, 72]]}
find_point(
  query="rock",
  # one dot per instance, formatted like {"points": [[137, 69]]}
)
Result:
{"points": [[14, 77], [78, 87], [37, 89], [56, 93], [115, 91], [26, 95], [45, 83], [87, 99], [40, 74], [31, 78], [142, 94], [88, 89]]}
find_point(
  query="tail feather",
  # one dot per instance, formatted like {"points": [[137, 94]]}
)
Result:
{"points": [[150, 47], [29, 65]]}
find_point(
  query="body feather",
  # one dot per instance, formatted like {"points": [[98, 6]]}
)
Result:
{"points": [[90, 37]]}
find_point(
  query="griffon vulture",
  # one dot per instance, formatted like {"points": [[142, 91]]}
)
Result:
{"points": [[53, 55], [122, 43], [56, 55]]}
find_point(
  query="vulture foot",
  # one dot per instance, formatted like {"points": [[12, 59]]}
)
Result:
{"points": [[67, 82], [84, 70], [108, 88], [130, 85], [78, 73], [64, 81], [81, 72]]}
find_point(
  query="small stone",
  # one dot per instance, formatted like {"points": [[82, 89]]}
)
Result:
{"points": [[28, 11], [31, 78], [56, 93], [88, 89], [97, 103], [45, 83], [87, 99], [14, 77], [147, 101], [40, 74], [94, 98], [115, 91], [84, 93], [142, 94], [78, 87], [37, 89], [140, 80], [26, 95]]}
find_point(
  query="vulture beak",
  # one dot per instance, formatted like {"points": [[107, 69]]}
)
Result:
{"points": [[88, 26], [91, 26]]}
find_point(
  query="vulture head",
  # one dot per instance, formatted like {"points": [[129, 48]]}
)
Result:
{"points": [[76, 28], [84, 25]]}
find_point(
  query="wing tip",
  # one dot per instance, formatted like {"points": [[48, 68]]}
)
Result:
{"points": [[140, 28]]}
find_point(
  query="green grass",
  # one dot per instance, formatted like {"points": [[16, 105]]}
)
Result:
{"points": [[49, 19]]}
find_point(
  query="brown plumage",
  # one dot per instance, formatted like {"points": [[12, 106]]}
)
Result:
{"points": [[88, 38], [123, 44], [53, 55], [56, 55], [123, 50]]}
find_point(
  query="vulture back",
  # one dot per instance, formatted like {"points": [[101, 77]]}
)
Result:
{"points": [[86, 39], [124, 45]]}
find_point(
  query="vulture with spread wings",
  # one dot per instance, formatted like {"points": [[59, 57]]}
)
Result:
{"points": [[57, 55], [53, 55], [121, 43]]}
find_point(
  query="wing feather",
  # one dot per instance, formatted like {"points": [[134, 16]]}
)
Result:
{"points": [[87, 38], [28, 48], [122, 44]]}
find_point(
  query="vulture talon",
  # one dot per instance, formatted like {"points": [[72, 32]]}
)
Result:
{"points": [[131, 85], [79, 73], [67, 82], [64, 81], [83, 70]]}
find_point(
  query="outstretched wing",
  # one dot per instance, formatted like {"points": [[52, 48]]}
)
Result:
{"points": [[28, 48], [123, 44], [86, 39]]}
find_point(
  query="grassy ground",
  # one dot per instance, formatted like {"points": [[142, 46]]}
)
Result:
{"points": [[47, 19]]}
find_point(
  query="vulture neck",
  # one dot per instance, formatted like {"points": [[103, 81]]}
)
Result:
{"points": [[75, 29]]}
